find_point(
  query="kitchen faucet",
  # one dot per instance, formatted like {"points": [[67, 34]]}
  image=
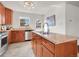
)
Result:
{"points": [[46, 28]]}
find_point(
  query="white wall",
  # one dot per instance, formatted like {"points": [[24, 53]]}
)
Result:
{"points": [[33, 17], [59, 11], [67, 18], [72, 20]]}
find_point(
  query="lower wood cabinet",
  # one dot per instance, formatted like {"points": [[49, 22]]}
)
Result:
{"points": [[16, 36], [35, 47], [44, 48], [9, 37], [67, 49], [39, 48], [46, 52]]}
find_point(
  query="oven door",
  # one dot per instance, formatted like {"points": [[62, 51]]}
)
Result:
{"points": [[3, 44], [3, 40]]}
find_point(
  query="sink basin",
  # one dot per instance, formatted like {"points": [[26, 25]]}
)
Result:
{"points": [[45, 33], [42, 32]]}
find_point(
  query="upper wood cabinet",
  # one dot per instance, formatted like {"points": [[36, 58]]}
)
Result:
{"points": [[8, 16], [2, 14], [5, 15]]}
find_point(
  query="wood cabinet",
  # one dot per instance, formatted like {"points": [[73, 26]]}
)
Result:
{"points": [[9, 37], [8, 16], [68, 49], [46, 52], [39, 47], [45, 48], [16, 36], [2, 14], [36, 45], [49, 45], [5, 15]]}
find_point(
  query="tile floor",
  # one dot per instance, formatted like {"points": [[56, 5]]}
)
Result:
{"points": [[22, 49]]}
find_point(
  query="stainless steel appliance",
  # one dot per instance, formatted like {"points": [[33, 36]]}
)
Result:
{"points": [[3, 42], [28, 35]]}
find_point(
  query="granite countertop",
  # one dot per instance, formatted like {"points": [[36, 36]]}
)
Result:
{"points": [[17, 29], [3, 30], [56, 38]]}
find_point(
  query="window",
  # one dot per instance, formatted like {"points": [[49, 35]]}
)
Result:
{"points": [[24, 21], [51, 20], [38, 23]]}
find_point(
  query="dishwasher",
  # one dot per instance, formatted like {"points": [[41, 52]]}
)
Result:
{"points": [[28, 35]]}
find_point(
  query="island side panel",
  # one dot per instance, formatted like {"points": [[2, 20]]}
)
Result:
{"points": [[67, 49]]}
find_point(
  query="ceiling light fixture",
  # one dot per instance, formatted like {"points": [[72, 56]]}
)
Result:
{"points": [[28, 4]]}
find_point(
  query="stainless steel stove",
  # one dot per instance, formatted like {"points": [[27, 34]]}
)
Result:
{"points": [[3, 42]]}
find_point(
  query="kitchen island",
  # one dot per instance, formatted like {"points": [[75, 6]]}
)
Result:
{"points": [[53, 45]]}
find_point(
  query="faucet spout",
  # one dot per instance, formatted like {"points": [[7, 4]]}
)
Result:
{"points": [[46, 28]]}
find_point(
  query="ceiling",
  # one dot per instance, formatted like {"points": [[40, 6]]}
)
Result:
{"points": [[41, 7], [76, 3]]}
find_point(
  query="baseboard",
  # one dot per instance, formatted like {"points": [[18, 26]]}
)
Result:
{"points": [[78, 48]]}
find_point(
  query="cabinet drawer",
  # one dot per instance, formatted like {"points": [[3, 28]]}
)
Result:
{"points": [[49, 45]]}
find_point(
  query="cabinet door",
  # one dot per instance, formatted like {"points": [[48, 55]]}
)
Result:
{"points": [[49, 45], [34, 43], [67, 49], [14, 37], [2, 14], [35, 47], [21, 36], [39, 48], [9, 37], [18, 36], [8, 16], [46, 52]]}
